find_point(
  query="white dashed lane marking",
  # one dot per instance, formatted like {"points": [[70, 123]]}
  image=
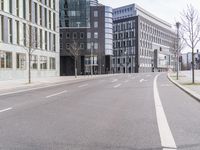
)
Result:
{"points": [[56, 94]]}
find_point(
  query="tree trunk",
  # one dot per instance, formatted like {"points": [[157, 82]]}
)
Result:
{"points": [[193, 80], [75, 68]]}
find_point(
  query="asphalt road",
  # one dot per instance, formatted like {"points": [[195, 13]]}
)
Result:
{"points": [[122, 112]]}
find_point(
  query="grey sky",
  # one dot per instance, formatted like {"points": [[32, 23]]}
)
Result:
{"points": [[168, 10]]}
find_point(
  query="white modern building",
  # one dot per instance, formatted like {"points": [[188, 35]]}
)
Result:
{"points": [[28, 24]]}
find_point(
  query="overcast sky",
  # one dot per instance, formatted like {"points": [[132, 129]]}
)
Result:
{"points": [[168, 10]]}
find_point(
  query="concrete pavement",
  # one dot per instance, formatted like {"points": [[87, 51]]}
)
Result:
{"points": [[185, 82], [110, 113]]}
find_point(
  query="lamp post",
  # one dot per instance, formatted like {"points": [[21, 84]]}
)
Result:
{"points": [[177, 65], [91, 59], [125, 61]]}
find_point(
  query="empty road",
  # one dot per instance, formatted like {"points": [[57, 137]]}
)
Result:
{"points": [[121, 112]]}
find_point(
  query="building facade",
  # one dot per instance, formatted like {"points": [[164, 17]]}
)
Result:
{"points": [[186, 61], [29, 25], [142, 42], [88, 24]]}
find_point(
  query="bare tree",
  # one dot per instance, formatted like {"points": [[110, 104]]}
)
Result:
{"points": [[191, 31], [30, 42], [74, 50], [179, 45]]}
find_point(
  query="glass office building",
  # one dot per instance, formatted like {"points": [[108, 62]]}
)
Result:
{"points": [[75, 13]]}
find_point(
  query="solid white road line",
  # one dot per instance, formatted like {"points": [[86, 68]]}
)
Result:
{"points": [[56, 94], [167, 139], [116, 86], [83, 85], [115, 80], [3, 110]]}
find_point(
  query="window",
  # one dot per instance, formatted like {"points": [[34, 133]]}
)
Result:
{"points": [[10, 34], [82, 46], [95, 24], [41, 38], [50, 3], [36, 37], [88, 45], [34, 62], [1, 28], [96, 46], [5, 59], [49, 19], [43, 62], [67, 35], [81, 35], [41, 15], [24, 29], [74, 35], [67, 46], [30, 10], [45, 37], [54, 21], [24, 9], [10, 6], [54, 42], [1, 4], [50, 42], [96, 35], [52, 63], [17, 32], [95, 13], [45, 17], [21, 61], [61, 35], [54, 5], [89, 35], [17, 8]]}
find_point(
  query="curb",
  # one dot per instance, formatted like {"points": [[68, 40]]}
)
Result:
{"points": [[186, 90]]}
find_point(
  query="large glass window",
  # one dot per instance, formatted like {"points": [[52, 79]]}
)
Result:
{"points": [[43, 62], [17, 8], [21, 61], [10, 31], [5, 59], [52, 63], [17, 32], [1, 27], [1, 4]]}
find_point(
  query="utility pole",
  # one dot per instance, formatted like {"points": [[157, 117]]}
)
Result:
{"points": [[91, 59], [177, 65]]}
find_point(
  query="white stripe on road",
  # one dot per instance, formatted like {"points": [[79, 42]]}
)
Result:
{"points": [[56, 94], [83, 85], [115, 80], [142, 80], [3, 110], [116, 86], [167, 139]]}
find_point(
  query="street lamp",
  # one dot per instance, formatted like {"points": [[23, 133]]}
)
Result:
{"points": [[91, 59], [125, 61], [178, 24]]}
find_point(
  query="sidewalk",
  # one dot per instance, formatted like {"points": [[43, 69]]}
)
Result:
{"points": [[185, 82], [41, 82]]}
